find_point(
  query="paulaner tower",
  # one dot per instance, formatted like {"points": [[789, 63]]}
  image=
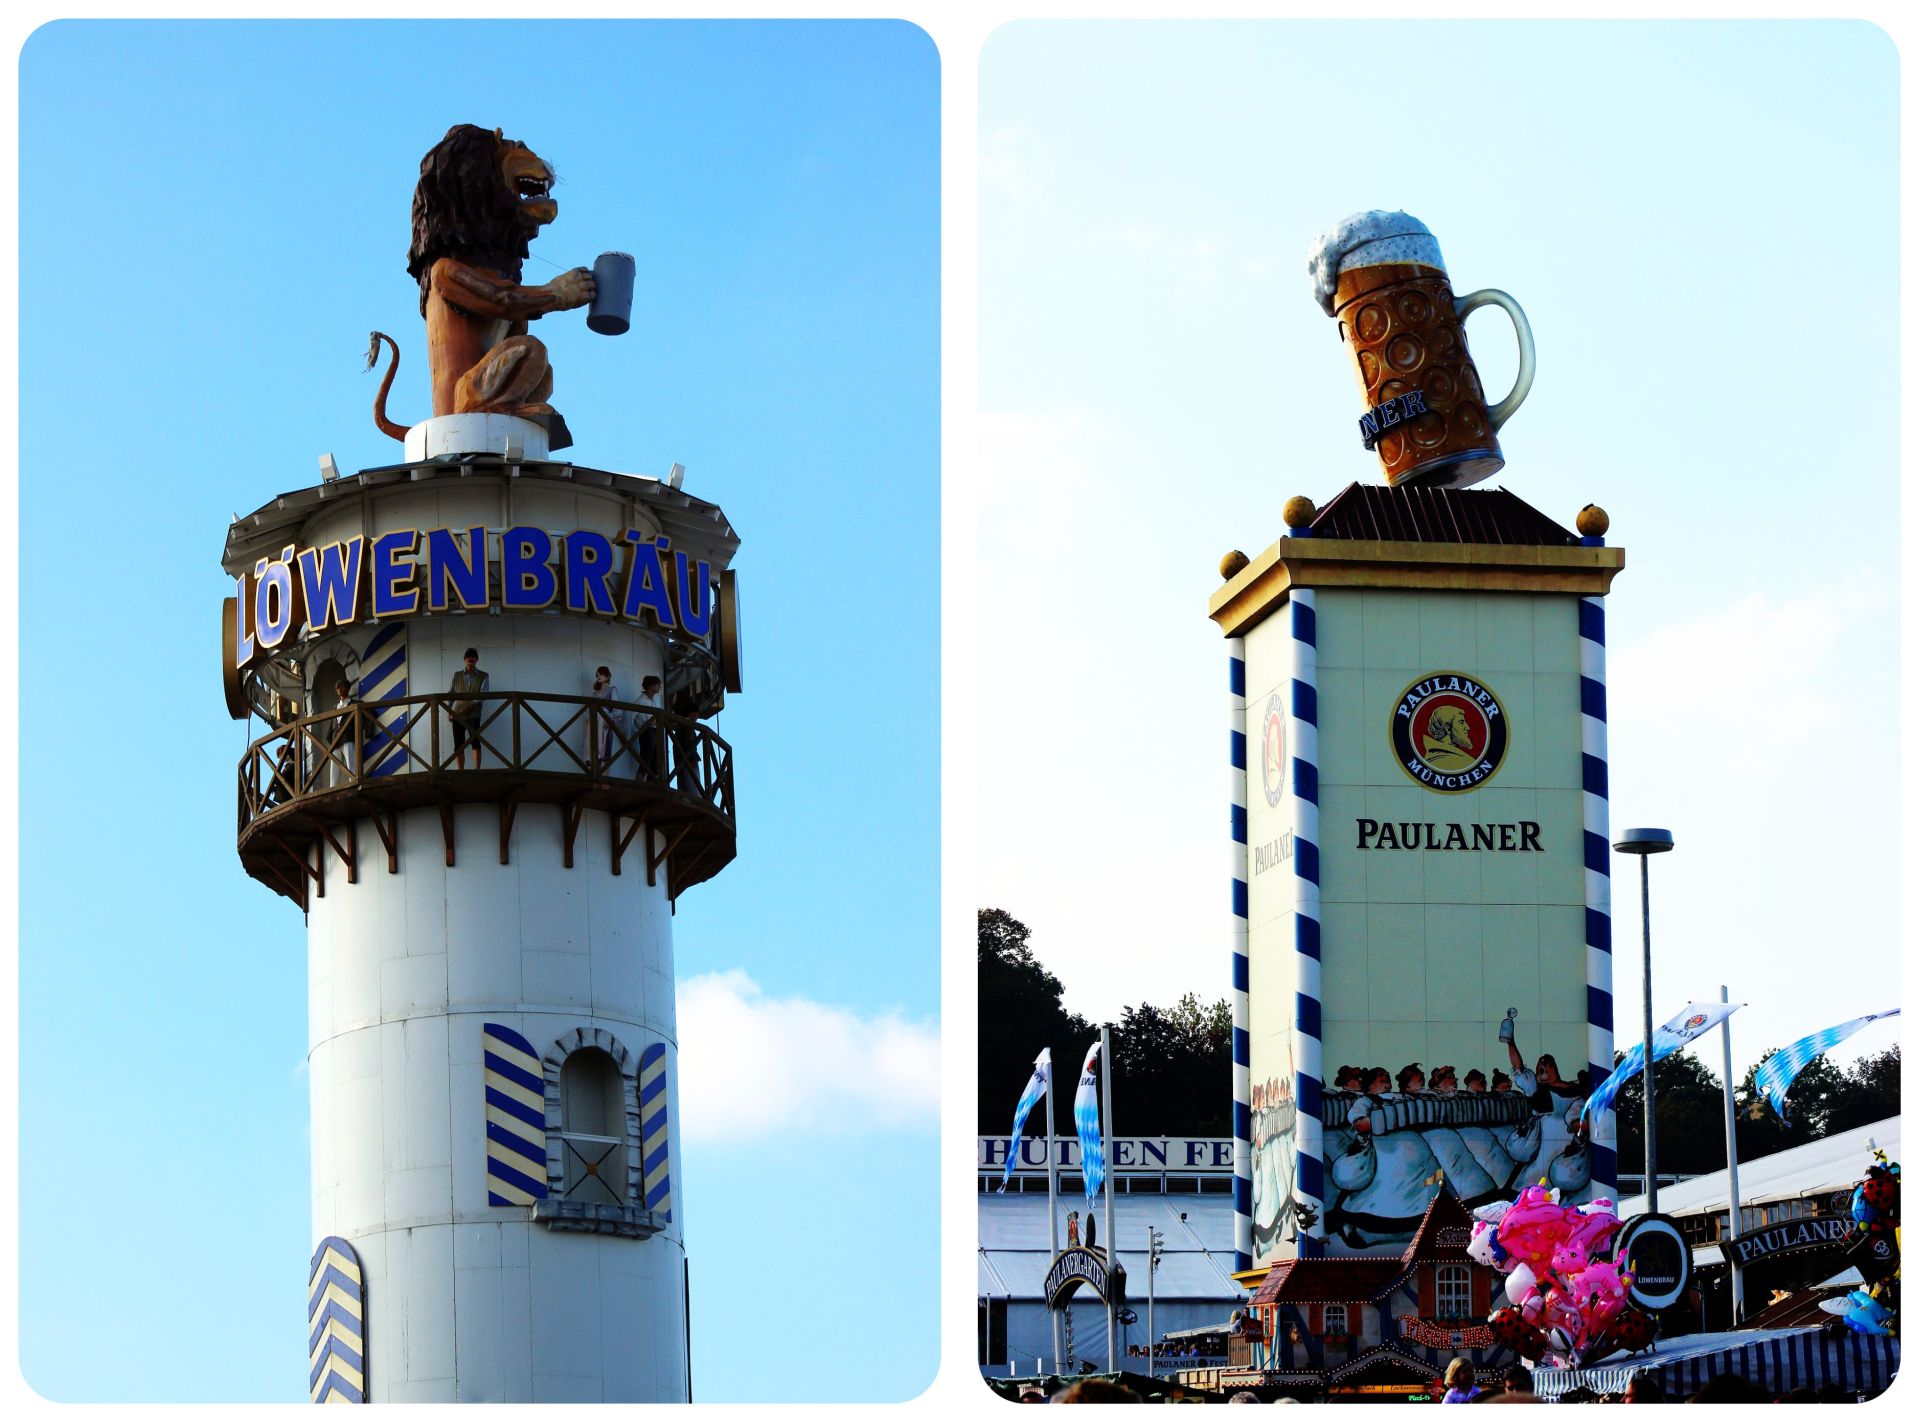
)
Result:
{"points": [[489, 868], [1417, 705]]}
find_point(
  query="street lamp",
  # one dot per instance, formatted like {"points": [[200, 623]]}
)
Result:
{"points": [[1644, 842], [1156, 1241]]}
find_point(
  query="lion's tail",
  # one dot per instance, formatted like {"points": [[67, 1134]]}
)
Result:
{"points": [[387, 426]]}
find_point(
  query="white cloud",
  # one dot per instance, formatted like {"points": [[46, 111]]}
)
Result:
{"points": [[1191, 260], [1013, 161], [1748, 679], [753, 1065], [1045, 458]]}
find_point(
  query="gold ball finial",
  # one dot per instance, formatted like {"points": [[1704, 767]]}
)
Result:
{"points": [[1591, 521], [1232, 563], [1299, 511]]}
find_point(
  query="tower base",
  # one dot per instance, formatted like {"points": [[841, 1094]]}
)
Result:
{"points": [[480, 434]]}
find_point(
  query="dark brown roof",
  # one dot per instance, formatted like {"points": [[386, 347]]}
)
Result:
{"points": [[1365, 1278], [1411, 514], [1801, 1310], [1335, 1279]]}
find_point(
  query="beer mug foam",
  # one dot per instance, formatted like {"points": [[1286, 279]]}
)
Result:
{"points": [[1380, 275]]}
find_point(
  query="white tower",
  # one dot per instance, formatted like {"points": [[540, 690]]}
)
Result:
{"points": [[497, 1199]]}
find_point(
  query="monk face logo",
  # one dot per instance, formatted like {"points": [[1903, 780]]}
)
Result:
{"points": [[1449, 732], [1273, 751]]}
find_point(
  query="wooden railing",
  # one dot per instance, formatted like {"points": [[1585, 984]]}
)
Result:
{"points": [[371, 759], [356, 747]]}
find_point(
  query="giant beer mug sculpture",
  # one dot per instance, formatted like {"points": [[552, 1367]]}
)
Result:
{"points": [[1380, 275]]}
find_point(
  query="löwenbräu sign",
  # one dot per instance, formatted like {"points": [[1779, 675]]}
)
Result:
{"points": [[639, 578]]}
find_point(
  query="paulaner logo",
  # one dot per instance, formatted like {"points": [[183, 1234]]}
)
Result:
{"points": [[1449, 732], [1273, 751]]}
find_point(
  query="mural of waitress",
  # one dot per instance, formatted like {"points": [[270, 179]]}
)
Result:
{"points": [[1546, 1089]]}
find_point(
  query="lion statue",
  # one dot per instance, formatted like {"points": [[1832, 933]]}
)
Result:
{"points": [[482, 197]]}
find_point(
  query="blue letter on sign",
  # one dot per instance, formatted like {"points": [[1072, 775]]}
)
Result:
{"points": [[526, 580]]}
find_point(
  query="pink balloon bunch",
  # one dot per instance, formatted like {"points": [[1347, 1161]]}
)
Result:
{"points": [[1532, 1229], [1589, 1237], [1564, 1288]]}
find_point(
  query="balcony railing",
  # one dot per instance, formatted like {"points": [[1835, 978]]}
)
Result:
{"points": [[306, 784]]}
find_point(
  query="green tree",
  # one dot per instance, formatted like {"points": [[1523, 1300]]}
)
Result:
{"points": [[1823, 1100], [1021, 1012], [1871, 1092], [1173, 1067], [1689, 1118], [1173, 1070]]}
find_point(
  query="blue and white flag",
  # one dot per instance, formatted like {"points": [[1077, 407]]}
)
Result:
{"points": [[1036, 1089], [1086, 1120], [1775, 1075], [1692, 1020]]}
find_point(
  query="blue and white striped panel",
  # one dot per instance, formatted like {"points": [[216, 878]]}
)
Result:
{"points": [[336, 1324], [1593, 779], [1237, 863], [516, 1118], [656, 1183], [383, 676], [1310, 1174]]}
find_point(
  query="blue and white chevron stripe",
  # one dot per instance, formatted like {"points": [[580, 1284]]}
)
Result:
{"points": [[656, 1184], [1310, 1175], [1086, 1123], [1593, 781], [1775, 1075], [516, 1118], [1035, 1092], [1237, 863], [383, 676], [336, 1324]]}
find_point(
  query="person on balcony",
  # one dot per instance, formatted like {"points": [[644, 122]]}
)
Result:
{"points": [[649, 737], [603, 732], [340, 767], [469, 684]]}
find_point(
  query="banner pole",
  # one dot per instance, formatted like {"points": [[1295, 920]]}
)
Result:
{"points": [[1106, 1147], [1053, 1217], [1733, 1168]]}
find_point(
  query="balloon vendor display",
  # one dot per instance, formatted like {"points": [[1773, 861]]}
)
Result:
{"points": [[1566, 1287], [1874, 1249]]}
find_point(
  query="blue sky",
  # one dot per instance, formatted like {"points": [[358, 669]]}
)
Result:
{"points": [[1701, 222], [212, 218]]}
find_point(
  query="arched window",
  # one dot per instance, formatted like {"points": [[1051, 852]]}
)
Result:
{"points": [[1454, 1294], [608, 1166], [593, 1126]]}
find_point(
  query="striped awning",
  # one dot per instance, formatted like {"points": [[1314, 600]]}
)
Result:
{"points": [[1776, 1359]]}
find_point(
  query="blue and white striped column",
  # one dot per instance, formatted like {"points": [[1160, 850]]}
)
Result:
{"points": [[1310, 1183], [1593, 780], [656, 1183], [1237, 862]]}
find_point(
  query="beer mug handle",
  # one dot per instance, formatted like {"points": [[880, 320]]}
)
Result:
{"points": [[1522, 382]]}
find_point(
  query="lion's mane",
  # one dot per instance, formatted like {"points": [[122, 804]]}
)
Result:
{"points": [[463, 209]]}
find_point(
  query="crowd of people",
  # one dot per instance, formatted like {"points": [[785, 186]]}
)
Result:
{"points": [[1516, 1385], [1644, 1386], [1170, 1350]]}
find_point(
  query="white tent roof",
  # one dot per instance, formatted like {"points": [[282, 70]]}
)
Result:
{"points": [[1195, 1263], [1820, 1167]]}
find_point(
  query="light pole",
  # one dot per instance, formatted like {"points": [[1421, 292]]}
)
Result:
{"points": [[1733, 1167], [1644, 842], [1154, 1240]]}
